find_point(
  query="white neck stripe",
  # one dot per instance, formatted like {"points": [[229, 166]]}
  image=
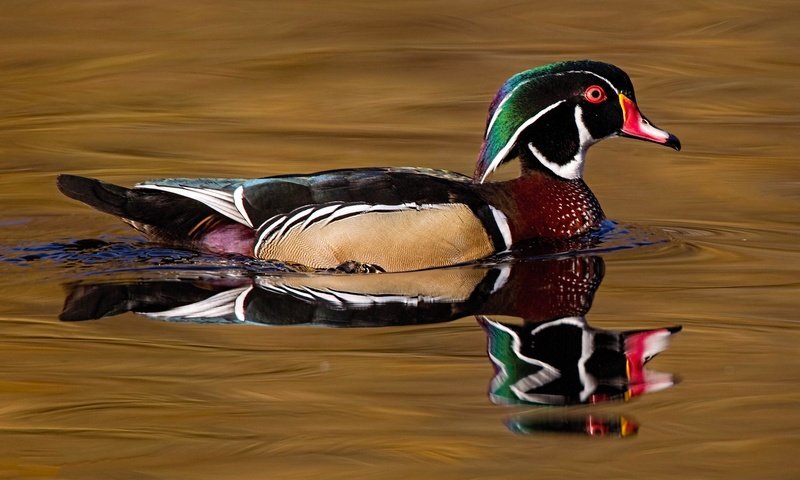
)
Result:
{"points": [[574, 168], [511, 141]]}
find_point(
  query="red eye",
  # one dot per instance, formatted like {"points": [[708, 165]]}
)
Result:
{"points": [[594, 94]]}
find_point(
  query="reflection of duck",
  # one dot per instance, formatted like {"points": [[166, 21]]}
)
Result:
{"points": [[400, 219], [537, 289], [554, 357]]}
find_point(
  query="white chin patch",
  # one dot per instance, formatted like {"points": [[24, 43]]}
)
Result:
{"points": [[574, 168]]}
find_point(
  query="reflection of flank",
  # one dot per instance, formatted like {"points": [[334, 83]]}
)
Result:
{"points": [[535, 290], [352, 291]]}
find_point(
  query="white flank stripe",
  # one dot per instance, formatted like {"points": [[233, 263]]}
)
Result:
{"points": [[410, 206], [393, 208], [291, 222], [321, 213], [346, 211], [511, 141], [501, 221], [374, 208], [334, 212], [238, 200], [277, 220]]}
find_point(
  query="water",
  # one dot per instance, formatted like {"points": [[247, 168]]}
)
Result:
{"points": [[705, 238]]}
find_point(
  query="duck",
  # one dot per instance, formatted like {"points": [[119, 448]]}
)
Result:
{"points": [[396, 219]]}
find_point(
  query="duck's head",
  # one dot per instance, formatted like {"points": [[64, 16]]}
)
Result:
{"points": [[550, 115]]}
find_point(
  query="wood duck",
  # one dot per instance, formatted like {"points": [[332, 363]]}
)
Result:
{"points": [[400, 219]]}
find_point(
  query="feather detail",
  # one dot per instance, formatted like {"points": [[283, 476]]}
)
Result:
{"points": [[407, 236], [221, 201]]}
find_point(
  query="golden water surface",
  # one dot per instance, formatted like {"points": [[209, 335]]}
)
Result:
{"points": [[127, 91]]}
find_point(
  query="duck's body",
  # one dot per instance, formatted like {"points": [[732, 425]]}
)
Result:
{"points": [[395, 219]]}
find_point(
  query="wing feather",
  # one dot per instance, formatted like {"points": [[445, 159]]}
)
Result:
{"points": [[221, 201]]}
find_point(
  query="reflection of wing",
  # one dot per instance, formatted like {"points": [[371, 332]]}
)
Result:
{"points": [[89, 302], [225, 305]]}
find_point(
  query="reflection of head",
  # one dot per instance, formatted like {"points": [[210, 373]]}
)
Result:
{"points": [[565, 361]]}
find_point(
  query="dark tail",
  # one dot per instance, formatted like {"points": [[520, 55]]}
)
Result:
{"points": [[162, 216], [103, 196]]}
